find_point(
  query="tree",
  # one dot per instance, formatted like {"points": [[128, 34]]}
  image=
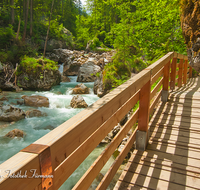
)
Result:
{"points": [[31, 18], [48, 30], [12, 11], [190, 22], [26, 20]]}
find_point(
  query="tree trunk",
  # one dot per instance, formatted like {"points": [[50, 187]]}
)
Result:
{"points": [[12, 12], [48, 30], [24, 9], [18, 29], [190, 22], [31, 18], [26, 20]]}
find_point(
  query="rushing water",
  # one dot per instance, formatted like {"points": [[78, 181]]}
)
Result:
{"points": [[58, 112]]}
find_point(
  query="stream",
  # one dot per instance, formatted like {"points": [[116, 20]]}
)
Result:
{"points": [[58, 112]]}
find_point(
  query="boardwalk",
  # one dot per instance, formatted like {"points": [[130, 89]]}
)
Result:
{"points": [[172, 158]]}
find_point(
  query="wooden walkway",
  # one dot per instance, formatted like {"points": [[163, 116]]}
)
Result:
{"points": [[172, 158]]}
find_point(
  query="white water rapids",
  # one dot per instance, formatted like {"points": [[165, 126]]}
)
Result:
{"points": [[58, 112]]}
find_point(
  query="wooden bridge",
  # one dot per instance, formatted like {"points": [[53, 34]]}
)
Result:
{"points": [[170, 161], [172, 158]]}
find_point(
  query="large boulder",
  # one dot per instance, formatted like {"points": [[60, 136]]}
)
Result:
{"points": [[87, 72], [78, 102], [65, 79], [35, 81], [36, 101], [10, 113], [15, 133], [190, 22], [99, 87], [72, 69], [80, 89]]}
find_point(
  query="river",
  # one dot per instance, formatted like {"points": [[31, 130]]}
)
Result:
{"points": [[58, 112]]}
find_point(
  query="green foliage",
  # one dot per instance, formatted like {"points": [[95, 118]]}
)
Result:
{"points": [[115, 74], [6, 36], [95, 43], [30, 64]]}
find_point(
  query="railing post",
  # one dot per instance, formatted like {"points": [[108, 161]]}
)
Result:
{"points": [[173, 73], [180, 73], [143, 120], [165, 93], [190, 72], [44, 154], [185, 71]]}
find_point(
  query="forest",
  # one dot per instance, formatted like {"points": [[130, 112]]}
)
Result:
{"points": [[139, 31]]}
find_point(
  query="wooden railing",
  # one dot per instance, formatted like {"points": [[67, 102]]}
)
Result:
{"points": [[49, 161]]}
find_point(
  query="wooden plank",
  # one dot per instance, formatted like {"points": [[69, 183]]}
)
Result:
{"points": [[118, 161], [156, 88], [143, 119], [157, 75], [186, 95], [183, 127], [184, 101], [181, 56], [194, 106], [172, 119], [185, 72], [173, 73], [169, 128], [149, 182], [155, 67], [68, 136], [164, 174], [194, 147], [93, 171], [121, 185], [172, 149], [62, 172], [144, 157], [27, 167], [180, 73], [175, 131], [162, 165], [193, 163], [176, 138]]}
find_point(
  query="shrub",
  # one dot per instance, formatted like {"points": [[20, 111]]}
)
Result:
{"points": [[30, 64], [6, 36]]}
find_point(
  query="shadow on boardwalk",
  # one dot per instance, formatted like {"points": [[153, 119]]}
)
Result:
{"points": [[172, 158]]}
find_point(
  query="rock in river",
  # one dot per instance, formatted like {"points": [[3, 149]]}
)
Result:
{"points": [[80, 89], [36, 101], [78, 102], [15, 133], [35, 113], [87, 72], [10, 113]]}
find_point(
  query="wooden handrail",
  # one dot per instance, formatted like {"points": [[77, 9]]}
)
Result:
{"points": [[71, 142]]}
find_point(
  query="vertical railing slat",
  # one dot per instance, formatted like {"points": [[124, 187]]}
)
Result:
{"points": [[173, 73]]}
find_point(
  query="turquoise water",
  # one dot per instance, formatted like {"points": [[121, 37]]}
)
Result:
{"points": [[58, 112]]}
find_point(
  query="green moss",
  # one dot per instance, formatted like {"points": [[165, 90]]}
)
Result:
{"points": [[30, 64]]}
